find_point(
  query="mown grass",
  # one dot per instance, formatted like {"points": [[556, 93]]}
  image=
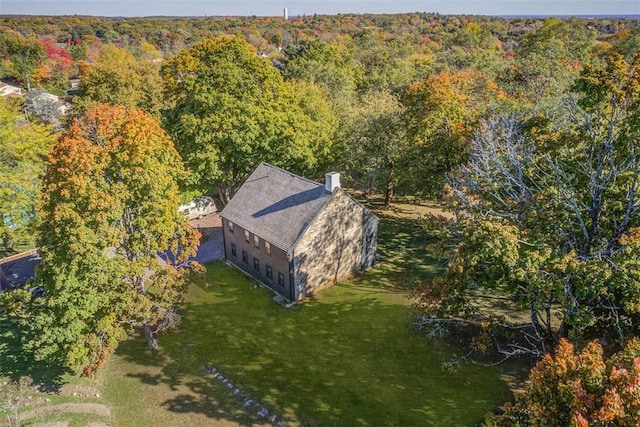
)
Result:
{"points": [[349, 356], [346, 357]]}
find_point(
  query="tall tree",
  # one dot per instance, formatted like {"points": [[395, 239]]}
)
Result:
{"points": [[311, 122], [117, 78], [555, 225], [23, 150], [20, 56], [377, 146], [548, 62], [330, 66], [111, 238], [441, 113], [231, 109]]}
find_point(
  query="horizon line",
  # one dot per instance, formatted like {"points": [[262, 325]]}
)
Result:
{"points": [[525, 15]]}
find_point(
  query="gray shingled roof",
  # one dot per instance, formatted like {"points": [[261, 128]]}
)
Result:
{"points": [[276, 205]]}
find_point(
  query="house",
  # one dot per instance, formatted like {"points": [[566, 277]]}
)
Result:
{"points": [[7, 89], [297, 236], [49, 107]]}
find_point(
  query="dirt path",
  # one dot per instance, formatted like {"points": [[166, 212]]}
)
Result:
{"points": [[77, 408]]}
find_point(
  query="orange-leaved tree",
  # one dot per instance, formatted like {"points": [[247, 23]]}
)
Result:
{"points": [[112, 242], [579, 389]]}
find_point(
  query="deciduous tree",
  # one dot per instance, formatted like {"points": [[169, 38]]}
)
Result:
{"points": [[377, 146], [579, 389], [20, 56], [111, 238], [328, 65], [441, 113], [555, 223], [23, 150], [231, 109], [117, 78]]}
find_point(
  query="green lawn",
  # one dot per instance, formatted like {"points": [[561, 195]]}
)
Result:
{"points": [[346, 357]]}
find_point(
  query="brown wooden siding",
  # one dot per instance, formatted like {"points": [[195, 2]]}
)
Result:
{"points": [[278, 259]]}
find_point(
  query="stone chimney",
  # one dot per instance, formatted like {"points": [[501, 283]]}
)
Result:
{"points": [[332, 181]]}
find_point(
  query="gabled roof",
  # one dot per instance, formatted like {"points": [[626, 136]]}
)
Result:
{"points": [[276, 205]]}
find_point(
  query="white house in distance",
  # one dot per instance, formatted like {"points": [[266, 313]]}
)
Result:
{"points": [[7, 89]]}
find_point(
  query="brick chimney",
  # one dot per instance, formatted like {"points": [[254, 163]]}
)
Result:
{"points": [[332, 181]]}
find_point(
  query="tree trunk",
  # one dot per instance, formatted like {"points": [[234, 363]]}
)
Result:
{"points": [[388, 194], [223, 191], [6, 243], [4, 283], [151, 340]]}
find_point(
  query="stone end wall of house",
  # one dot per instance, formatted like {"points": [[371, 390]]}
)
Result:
{"points": [[339, 243]]}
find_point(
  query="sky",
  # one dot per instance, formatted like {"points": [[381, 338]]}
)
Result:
{"points": [[309, 7]]}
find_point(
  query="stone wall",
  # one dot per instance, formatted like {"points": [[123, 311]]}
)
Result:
{"points": [[339, 243]]}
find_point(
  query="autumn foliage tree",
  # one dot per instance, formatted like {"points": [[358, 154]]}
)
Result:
{"points": [[116, 77], [578, 389], [20, 57], [551, 217], [441, 113], [56, 69], [111, 238]]}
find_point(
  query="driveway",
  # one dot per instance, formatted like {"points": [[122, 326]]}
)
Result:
{"points": [[16, 272], [211, 245]]}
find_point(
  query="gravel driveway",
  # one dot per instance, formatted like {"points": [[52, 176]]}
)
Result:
{"points": [[211, 245]]}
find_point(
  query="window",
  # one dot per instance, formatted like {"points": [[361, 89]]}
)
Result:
{"points": [[256, 241], [267, 248], [281, 279], [230, 227], [233, 250], [269, 272], [246, 236], [256, 264], [245, 257]]}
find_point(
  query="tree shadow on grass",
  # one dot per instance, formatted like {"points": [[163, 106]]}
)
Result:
{"points": [[344, 358], [405, 255], [18, 362]]}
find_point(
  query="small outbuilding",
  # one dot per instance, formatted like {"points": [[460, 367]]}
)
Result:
{"points": [[295, 235]]}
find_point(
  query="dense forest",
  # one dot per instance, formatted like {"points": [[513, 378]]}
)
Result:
{"points": [[526, 129]]}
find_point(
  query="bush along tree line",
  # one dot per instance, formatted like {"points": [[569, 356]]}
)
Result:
{"points": [[526, 129]]}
